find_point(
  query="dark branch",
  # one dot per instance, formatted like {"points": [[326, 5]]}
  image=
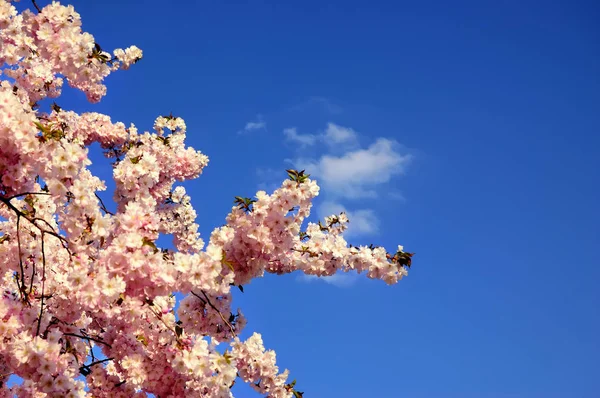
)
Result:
{"points": [[86, 369], [51, 232], [103, 206], [218, 312], [22, 286], [43, 286], [36, 6], [88, 338], [27, 193]]}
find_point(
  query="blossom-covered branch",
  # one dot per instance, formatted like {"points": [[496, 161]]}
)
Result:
{"points": [[78, 280]]}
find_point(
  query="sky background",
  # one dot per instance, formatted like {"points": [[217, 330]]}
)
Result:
{"points": [[468, 131]]}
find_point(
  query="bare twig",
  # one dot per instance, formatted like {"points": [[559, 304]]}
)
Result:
{"points": [[43, 286], [27, 193], [219, 312], [86, 369], [88, 338], [102, 206], [51, 232], [36, 6], [201, 299], [160, 318], [22, 286]]}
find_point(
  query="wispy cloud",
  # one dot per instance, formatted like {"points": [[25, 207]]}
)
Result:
{"points": [[259, 124], [338, 280], [356, 173], [292, 135], [362, 222], [321, 103], [334, 135], [394, 195], [345, 170]]}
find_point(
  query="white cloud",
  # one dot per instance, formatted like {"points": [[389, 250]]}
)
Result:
{"points": [[338, 279], [362, 221], [335, 135], [356, 173], [303, 139], [259, 124], [250, 126]]}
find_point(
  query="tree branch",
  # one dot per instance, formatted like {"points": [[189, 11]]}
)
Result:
{"points": [[88, 338], [22, 285], [36, 6], [218, 312], [103, 206], [51, 232], [86, 369], [27, 193], [43, 286]]}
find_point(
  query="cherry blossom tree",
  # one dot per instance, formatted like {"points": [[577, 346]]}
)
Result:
{"points": [[87, 300]]}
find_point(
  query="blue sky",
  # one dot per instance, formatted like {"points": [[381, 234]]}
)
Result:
{"points": [[472, 130]]}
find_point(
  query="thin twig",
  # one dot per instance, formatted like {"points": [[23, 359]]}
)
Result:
{"points": [[88, 338], [91, 351], [32, 278], [219, 312], [36, 6], [33, 220], [43, 286], [201, 299], [55, 234], [85, 370], [103, 207], [27, 193], [159, 317], [98, 361], [22, 287]]}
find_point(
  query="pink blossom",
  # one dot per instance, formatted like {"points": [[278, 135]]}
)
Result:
{"points": [[77, 278]]}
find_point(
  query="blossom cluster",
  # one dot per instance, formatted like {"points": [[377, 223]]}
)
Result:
{"points": [[87, 299]]}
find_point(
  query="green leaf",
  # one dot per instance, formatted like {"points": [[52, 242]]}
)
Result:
{"points": [[227, 357], [41, 127], [142, 339], [29, 199], [244, 203], [225, 262], [297, 176], [164, 140], [148, 242], [404, 258]]}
